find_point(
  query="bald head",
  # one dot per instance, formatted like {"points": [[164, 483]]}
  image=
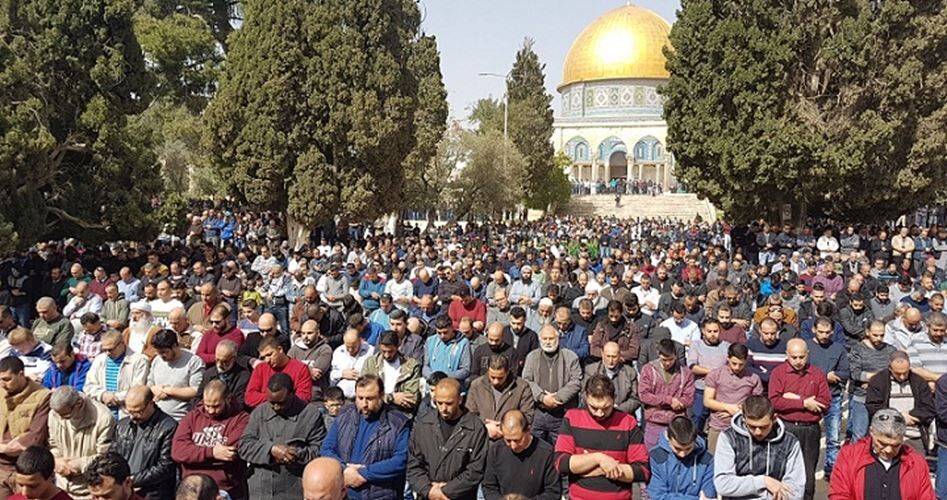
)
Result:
{"points": [[323, 480], [514, 420], [797, 353], [267, 322]]}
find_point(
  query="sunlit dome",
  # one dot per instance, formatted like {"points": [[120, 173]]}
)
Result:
{"points": [[624, 43]]}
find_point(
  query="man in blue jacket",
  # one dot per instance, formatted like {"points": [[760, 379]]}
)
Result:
{"points": [[571, 335], [681, 466], [371, 442], [68, 368]]}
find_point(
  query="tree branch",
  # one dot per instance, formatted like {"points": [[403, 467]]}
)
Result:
{"points": [[84, 224]]}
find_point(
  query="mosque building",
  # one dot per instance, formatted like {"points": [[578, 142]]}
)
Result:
{"points": [[611, 118]]}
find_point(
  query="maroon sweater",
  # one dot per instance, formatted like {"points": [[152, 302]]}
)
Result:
{"points": [[211, 338], [808, 382], [194, 441]]}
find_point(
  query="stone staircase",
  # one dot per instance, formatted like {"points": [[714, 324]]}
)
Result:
{"points": [[673, 206]]}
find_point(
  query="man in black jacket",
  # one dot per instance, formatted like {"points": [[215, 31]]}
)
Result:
{"points": [[903, 390], [524, 340], [522, 464], [144, 440], [448, 448], [226, 368]]}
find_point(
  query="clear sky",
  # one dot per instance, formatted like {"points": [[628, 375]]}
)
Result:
{"points": [[477, 36]]}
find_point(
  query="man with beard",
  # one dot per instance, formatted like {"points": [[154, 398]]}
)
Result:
{"points": [[140, 330], [740, 311], [647, 295], [623, 377], [643, 322], [572, 336], [267, 327], [704, 356], [297, 315], [526, 292], [601, 449], [436, 470], [499, 310], [497, 392], [114, 374], [144, 440], [498, 342], [51, 327], [206, 440], [400, 375], [616, 328], [555, 377], [855, 318], [523, 339], [410, 344], [23, 417], [234, 376], [585, 317], [221, 329], [371, 442], [900, 332], [175, 375], [284, 434], [313, 351]]}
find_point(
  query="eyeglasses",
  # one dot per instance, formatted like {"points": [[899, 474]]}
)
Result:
{"points": [[266, 330], [216, 321], [897, 417]]}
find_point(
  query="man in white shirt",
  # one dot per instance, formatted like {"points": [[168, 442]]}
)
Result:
{"points": [[400, 289], [347, 362], [164, 304], [648, 296], [82, 302], [683, 330]]}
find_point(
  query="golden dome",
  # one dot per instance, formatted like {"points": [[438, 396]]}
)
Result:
{"points": [[624, 43]]}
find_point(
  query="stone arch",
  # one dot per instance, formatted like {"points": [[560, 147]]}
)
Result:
{"points": [[578, 149], [646, 149], [611, 145], [617, 165]]}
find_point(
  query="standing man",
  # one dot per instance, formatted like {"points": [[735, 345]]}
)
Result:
{"points": [[681, 466], [831, 358], [866, 358], [601, 449], [623, 376], [725, 390], [703, 356], [206, 440], [114, 372], [109, 477], [666, 389], [68, 368], [235, 376], [800, 394], [175, 375], [903, 390], [370, 439], [522, 464], [347, 362], [284, 433], [882, 467], [144, 438], [436, 470], [276, 361], [756, 458], [497, 392], [323, 480], [79, 430], [555, 376], [447, 352], [312, 350], [400, 375], [23, 418]]}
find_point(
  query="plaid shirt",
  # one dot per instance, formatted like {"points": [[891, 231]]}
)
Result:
{"points": [[88, 345]]}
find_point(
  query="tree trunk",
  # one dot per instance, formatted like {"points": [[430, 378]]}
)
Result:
{"points": [[297, 232]]}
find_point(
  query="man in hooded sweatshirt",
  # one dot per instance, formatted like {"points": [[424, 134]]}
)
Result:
{"points": [[756, 459], [681, 466], [206, 440], [313, 351]]}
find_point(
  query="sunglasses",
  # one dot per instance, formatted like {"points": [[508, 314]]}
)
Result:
{"points": [[216, 321], [896, 417]]}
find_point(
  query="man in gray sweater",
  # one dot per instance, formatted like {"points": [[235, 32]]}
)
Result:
{"points": [[866, 358]]}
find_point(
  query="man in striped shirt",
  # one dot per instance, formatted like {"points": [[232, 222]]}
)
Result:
{"points": [[928, 351], [601, 448]]}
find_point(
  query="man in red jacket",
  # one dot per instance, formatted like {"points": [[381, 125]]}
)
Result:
{"points": [[275, 361], [881, 464], [467, 306], [207, 437], [800, 395]]}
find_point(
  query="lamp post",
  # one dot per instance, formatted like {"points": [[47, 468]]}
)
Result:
{"points": [[506, 109]]}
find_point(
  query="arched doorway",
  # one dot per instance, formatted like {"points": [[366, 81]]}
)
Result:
{"points": [[618, 166]]}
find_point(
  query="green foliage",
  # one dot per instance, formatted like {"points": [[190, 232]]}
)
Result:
{"points": [[487, 114], [489, 179], [316, 110], [530, 128], [171, 215], [71, 163], [800, 102], [424, 182]]}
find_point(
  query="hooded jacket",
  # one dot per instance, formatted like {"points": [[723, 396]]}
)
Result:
{"points": [[656, 394], [848, 476], [318, 356], [675, 478], [194, 441], [741, 462], [625, 334]]}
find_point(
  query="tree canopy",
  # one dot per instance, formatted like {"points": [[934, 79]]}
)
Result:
{"points": [[838, 108]]}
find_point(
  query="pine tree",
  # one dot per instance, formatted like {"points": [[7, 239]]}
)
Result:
{"points": [[71, 163], [315, 114], [837, 108], [530, 126]]}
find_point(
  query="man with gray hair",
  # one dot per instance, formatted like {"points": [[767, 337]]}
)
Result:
{"points": [[901, 389], [881, 464], [79, 430]]}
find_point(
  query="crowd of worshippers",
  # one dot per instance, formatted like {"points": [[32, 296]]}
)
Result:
{"points": [[441, 367]]}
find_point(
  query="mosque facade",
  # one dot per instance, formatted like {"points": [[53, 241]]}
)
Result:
{"points": [[610, 123]]}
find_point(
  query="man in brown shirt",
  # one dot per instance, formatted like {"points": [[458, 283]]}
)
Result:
{"points": [[23, 418]]}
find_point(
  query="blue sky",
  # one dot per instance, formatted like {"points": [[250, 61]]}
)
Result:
{"points": [[477, 36]]}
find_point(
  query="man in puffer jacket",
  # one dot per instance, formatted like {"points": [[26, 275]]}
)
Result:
{"points": [[756, 459], [681, 466], [206, 440]]}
